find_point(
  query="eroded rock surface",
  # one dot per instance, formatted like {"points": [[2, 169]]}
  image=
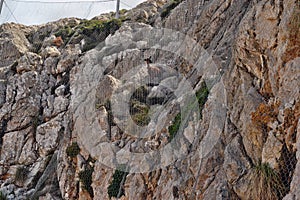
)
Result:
{"points": [[195, 99]]}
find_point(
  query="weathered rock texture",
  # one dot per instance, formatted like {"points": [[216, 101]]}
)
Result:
{"points": [[60, 84]]}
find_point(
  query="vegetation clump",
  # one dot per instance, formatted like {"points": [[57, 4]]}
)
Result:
{"points": [[73, 150], [202, 95], [21, 174], [116, 188], [92, 31], [85, 178], [3, 196], [174, 127], [140, 113], [264, 114], [139, 108], [88, 27], [95, 31], [268, 182], [66, 33]]}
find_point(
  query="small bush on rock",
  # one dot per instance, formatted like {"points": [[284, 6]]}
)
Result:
{"points": [[267, 182], [173, 129], [202, 95], [3, 196], [73, 150], [86, 179], [21, 174], [116, 188]]}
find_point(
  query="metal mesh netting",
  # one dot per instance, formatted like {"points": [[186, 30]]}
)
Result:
{"points": [[38, 12], [147, 97]]}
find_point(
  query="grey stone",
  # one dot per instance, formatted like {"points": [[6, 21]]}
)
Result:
{"points": [[47, 135], [50, 52]]}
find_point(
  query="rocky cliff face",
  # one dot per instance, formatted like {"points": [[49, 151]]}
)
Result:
{"points": [[213, 113]]}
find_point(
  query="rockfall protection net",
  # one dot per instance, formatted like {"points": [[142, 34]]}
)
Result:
{"points": [[148, 95]]}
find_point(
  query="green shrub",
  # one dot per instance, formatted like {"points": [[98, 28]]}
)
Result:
{"points": [[117, 184], [174, 127], [92, 31], [73, 150], [3, 196], [36, 47], [140, 113], [88, 27], [268, 182], [138, 106], [85, 177], [123, 11], [95, 31], [65, 32], [167, 10], [21, 174], [202, 95]]}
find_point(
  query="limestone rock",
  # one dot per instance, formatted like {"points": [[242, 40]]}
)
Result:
{"points": [[106, 88], [101, 179], [13, 44], [68, 59], [271, 151], [28, 155], [236, 164], [29, 62], [49, 41], [13, 143], [60, 105], [47, 135], [51, 52]]}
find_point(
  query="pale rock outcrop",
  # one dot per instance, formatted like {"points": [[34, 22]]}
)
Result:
{"points": [[51, 51], [47, 135]]}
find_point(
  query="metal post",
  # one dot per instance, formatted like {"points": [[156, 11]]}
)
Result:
{"points": [[1, 4], [118, 10]]}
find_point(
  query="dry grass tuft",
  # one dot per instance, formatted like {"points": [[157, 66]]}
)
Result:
{"points": [[267, 183]]}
